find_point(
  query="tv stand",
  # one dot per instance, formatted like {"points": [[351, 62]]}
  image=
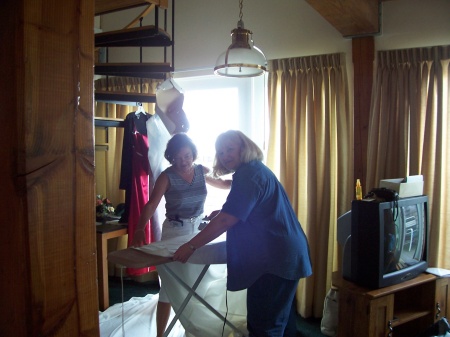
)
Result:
{"points": [[401, 310]]}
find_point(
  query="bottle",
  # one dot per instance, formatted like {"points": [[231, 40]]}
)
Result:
{"points": [[358, 190]]}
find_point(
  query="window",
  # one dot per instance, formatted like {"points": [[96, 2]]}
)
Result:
{"points": [[216, 104]]}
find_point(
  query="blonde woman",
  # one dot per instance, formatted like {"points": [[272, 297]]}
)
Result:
{"points": [[267, 250]]}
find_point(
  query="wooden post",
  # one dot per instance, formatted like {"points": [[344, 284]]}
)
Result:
{"points": [[363, 56], [48, 251]]}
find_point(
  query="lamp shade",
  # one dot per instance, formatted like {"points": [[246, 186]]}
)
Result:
{"points": [[241, 59]]}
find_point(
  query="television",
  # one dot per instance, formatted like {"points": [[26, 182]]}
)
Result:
{"points": [[384, 243]]}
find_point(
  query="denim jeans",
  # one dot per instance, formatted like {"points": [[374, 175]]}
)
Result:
{"points": [[270, 307]]}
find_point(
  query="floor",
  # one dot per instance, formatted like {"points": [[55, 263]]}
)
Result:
{"points": [[306, 327]]}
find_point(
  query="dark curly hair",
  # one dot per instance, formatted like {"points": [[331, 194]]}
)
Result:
{"points": [[176, 143]]}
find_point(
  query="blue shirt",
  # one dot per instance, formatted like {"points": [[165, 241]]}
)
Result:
{"points": [[268, 238]]}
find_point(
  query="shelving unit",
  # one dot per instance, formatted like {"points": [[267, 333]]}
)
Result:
{"points": [[149, 36], [156, 39], [401, 310]]}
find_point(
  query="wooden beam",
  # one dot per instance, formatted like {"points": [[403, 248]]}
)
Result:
{"points": [[352, 18], [363, 55]]}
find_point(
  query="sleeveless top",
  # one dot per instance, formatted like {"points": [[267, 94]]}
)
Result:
{"points": [[183, 199]]}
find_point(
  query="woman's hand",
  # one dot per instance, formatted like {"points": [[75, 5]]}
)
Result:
{"points": [[138, 238], [183, 253], [218, 225]]}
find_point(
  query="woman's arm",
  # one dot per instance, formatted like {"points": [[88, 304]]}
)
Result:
{"points": [[218, 225], [161, 186], [216, 182]]}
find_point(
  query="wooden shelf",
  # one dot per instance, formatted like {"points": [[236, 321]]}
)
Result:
{"points": [[339, 282], [124, 98], [405, 316], [108, 122], [140, 70], [146, 36], [109, 6], [102, 147]]}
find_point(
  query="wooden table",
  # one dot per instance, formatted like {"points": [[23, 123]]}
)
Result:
{"points": [[104, 233]]}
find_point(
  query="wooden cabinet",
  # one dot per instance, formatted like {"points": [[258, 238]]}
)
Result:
{"points": [[442, 296], [400, 310]]}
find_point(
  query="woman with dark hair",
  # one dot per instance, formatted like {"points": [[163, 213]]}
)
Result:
{"points": [[183, 185], [267, 250]]}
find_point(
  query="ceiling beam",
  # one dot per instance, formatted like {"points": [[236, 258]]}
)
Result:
{"points": [[352, 18]]}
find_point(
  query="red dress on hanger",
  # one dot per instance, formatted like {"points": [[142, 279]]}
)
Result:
{"points": [[136, 174]]}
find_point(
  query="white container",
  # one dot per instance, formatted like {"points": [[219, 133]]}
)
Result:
{"points": [[410, 186]]}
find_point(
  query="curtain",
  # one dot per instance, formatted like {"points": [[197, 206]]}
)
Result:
{"points": [[108, 163], [408, 131], [311, 151]]}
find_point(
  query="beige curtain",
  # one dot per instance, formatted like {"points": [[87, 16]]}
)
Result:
{"points": [[310, 149], [408, 131]]}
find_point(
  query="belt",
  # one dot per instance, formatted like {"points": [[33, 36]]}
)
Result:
{"points": [[191, 219]]}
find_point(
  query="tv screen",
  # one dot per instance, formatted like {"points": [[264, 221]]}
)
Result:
{"points": [[388, 241]]}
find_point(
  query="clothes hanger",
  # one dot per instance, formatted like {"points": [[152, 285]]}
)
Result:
{"points": [[140, 109]]}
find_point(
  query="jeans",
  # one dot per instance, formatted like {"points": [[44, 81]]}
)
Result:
{"points": [[270, 307]]}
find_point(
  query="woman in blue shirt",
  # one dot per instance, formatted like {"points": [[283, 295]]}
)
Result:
{"points": [[267, 250]]}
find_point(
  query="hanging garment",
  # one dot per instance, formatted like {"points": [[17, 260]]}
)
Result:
{"points": [[158, 136], [134, 176]]}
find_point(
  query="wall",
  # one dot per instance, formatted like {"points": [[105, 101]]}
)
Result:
{"points": [[287, 29], [414, 23]]}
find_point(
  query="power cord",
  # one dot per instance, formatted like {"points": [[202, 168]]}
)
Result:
{"points": [[123, 310], [226, 313]]}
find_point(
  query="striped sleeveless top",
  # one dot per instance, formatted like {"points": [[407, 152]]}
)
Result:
{"points": [[183, 199]]}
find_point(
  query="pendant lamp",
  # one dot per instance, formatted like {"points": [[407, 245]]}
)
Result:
{"points": [[241, 59]]}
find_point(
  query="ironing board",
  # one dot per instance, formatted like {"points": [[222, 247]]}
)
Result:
{"points": [[189, 286]]}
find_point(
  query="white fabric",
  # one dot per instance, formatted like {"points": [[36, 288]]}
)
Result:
{"points": [[169, 100], [169, 232], [214, 252], [158, 136], [139, 319], [196, 318]]}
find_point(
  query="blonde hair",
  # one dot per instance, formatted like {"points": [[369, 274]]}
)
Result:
{"points": [[249, 150]]}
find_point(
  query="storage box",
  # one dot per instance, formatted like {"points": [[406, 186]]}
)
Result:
{"points": [[406, 187]]}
